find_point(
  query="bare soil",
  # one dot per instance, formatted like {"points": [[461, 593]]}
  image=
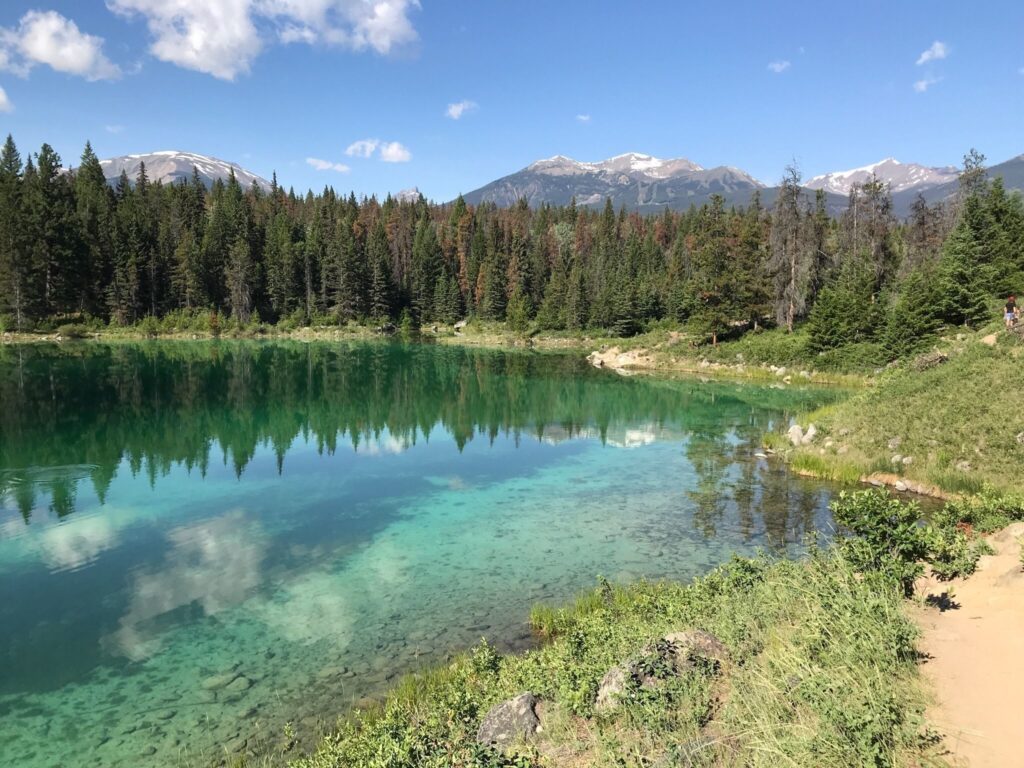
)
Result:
{"points": [[974, 645]]}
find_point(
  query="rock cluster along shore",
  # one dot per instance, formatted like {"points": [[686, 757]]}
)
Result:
{"points": [[516, 720]]}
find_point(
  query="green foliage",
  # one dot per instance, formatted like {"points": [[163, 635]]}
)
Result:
{"points": [[847, 312], [73, 331], [810, 642], [887, 538]]}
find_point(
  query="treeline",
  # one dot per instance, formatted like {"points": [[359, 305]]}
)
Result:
{"points": [[76, 416], [73, 247]]}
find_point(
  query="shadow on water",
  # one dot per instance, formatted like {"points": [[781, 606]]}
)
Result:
{"points": [[199, 535]]}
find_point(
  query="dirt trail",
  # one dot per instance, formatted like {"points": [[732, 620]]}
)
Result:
{"points": [[976, 664]]}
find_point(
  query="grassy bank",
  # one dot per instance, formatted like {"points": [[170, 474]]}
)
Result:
{"points": [[821, 672], [956, 424]]}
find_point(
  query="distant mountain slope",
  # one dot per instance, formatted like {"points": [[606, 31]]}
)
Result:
{"points": [[648, 184], [901, 177], [637, 181], [170, 166]]}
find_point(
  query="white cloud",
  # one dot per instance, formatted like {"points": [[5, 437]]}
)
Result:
{"points": [[778, 67], [937, 51], [327, 165], [46, 37], [393, 152], [583, 118], [113, 128], [390, 151], [925, 83], [223, 37], [218, 38], [362, 148], [460, 108], [5, 103]]}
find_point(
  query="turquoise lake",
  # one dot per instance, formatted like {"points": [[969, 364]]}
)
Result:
{"points": [[202, 541]]}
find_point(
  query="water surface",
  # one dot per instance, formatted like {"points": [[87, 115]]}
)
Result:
{"points": [[201, 541]]}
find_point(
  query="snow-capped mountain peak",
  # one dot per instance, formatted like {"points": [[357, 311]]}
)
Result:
{"points": [[899, 176], [171, 166], [630, 163]]}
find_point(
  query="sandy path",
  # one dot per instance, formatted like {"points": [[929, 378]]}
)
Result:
{"points": [[977, 659]]}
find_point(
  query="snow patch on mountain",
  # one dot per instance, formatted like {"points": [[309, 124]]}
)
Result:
{"points": [[171, 166], [630, 163], [899, 176]]}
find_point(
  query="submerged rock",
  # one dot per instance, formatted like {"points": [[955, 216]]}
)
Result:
{"points": [[510, 721]]}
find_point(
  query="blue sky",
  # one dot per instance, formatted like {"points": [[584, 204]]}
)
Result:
{"points": [[276, 84]]}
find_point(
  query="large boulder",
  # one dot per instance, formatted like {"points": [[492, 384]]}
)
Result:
{"points": [[510, 721], [696, 644]]}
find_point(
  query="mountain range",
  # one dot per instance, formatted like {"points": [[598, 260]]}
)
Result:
{"points": [[637, 181], [649, 184]]}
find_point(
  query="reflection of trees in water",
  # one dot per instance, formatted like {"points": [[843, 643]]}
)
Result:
{"points": [[784, 504], [155, 406]]}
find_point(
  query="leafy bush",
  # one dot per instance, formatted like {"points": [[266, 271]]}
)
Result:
{"points": [[73, 331], [954, 550], [888, 537]]}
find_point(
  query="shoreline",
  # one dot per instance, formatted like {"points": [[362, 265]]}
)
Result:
{"points": [[635, 355]]}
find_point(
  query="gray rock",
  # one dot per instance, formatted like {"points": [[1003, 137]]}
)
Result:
{"points": [[461, 324], [696, 644], [899, 485], [1020, 438], [612, 686], [810, 434], [510, 721], [895, 443], [930, 360], [897, 459], [216, 682], [795, 435], [239, 684]]}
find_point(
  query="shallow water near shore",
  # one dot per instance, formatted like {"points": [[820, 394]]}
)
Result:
{"points": [[202, 541]]}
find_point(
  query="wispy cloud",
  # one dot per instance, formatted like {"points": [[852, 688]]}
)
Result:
{"points": [[583, 118], [460, 108], [5, 103], [778, 67], [394, 152], [327, 165], [362, 148], [113, 128], [938, 50], [46, 37], [925, 83]]}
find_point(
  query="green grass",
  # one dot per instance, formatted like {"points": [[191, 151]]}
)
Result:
{"points": [[823, 673], [958, 422]]}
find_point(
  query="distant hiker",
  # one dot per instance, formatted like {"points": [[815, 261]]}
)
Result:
{"points": [[1010, 312]]}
